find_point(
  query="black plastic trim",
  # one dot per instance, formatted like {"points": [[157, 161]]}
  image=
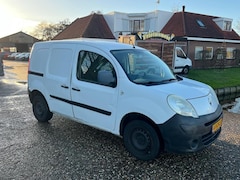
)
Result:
{"points": [[188, 134], [83, 106], [35, 73]]}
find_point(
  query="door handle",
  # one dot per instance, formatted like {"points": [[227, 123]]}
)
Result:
{"points": [[75, 89], [64, 86]]}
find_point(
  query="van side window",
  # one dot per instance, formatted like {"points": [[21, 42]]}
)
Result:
{"points": [[95, 68]]}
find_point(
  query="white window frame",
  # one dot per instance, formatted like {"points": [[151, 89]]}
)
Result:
{"points": [[230, 53], [137, 25], [209, 54], [227, 25]]}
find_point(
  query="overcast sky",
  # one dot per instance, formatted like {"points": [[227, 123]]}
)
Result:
{"points": [[23, 15]]}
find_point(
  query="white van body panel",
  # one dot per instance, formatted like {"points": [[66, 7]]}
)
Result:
{"points": [[132, 101], [56, 64]]}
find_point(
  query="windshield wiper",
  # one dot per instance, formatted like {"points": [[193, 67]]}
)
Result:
{"points": [[149, 83], [168, 80]]}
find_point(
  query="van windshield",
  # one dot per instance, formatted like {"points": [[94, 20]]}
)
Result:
{"points": [[142, 67]]}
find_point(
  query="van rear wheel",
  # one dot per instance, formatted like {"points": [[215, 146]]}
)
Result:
{"points": [[141, 140], [41, 109]]}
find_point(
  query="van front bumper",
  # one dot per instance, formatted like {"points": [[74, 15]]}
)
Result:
{"points": [[188, 134]]}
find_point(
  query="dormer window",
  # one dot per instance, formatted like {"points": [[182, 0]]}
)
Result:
{"points": [[227, 25], [224, 23], [200, 23]]}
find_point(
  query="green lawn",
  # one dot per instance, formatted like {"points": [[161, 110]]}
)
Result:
{"points": [[217, 78]]}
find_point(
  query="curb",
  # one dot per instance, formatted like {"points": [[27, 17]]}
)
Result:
{"points": [[227, 94]]}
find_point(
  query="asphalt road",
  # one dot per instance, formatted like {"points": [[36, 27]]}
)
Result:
{"points": [[64, 149]]}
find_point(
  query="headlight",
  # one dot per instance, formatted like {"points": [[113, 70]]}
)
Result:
{"points": [[213, 94], [181, 106]]}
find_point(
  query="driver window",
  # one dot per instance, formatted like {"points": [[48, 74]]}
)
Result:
{"points": [[95, 68], [180, 53]]}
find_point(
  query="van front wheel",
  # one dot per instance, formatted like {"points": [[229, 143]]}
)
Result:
{"points": [[40, 109], [185, 70], [141, 140]]}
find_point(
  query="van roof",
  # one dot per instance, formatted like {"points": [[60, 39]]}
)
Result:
{"points": [[98, 43]]}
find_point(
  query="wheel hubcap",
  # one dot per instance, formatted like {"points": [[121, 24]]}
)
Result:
{"points": [[140, 139]]}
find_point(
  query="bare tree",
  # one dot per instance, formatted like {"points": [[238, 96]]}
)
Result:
{"points": [[238, 27], [46, 31], [38, 31]]}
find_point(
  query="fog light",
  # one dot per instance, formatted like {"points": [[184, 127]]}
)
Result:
{"points": [[194, 144]]}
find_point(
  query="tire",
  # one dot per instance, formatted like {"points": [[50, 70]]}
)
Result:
{"points": [[41, 109], [141, 140], [185, 70]]}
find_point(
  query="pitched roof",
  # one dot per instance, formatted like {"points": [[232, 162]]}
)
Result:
{"points": [[92, 26], [184, 24], [12, 37]]}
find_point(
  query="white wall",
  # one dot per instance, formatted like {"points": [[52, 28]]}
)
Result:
{"points": [[153, 21]]}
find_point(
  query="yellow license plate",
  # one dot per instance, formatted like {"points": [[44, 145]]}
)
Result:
{"points": [[217, 125]]}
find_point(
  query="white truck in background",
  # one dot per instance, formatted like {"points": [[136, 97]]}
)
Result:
{"points": [[168, 51]]}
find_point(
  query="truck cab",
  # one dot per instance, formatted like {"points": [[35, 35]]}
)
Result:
{"points": [[181, 63]]}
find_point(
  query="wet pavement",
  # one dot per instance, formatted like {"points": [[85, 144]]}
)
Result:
{"points": [[14, 81], [8, 89]]}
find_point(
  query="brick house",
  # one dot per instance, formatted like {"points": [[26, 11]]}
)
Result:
{"points": [[209, 41]]}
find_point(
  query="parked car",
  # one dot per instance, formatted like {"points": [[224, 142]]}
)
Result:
{"points": [[13, 55], [22, 56]]}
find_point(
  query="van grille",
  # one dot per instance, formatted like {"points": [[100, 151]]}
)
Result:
{"points": [[210, 137]]}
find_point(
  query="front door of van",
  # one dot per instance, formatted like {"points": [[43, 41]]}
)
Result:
{"points": [[94, 93]]}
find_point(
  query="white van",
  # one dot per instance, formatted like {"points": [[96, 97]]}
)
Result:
{"points": [[96, 83], [181, 63]]}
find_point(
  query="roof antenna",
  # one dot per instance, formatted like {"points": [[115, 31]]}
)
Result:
{"points": [[131, 42]]}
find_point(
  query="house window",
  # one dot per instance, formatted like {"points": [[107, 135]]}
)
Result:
{"points": [[137, 25], [220, 53], [13, 49], [230, 53], [209, 52], [198, 52], [200, 23], [227, 25]]}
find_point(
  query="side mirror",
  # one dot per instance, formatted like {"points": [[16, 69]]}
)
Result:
{"points": [[106, 78]]}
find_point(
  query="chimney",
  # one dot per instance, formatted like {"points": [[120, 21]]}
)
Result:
{"points": [[183, 8]]}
